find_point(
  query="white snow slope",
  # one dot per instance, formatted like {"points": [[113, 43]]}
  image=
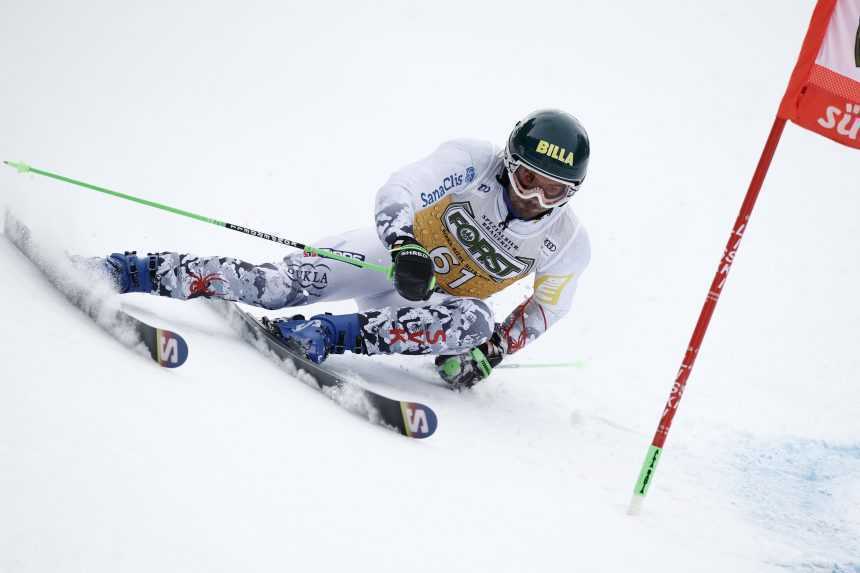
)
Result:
{"points": [[287, 117]]}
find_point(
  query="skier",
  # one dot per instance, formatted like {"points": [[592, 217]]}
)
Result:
{"points": [[459, 225]]}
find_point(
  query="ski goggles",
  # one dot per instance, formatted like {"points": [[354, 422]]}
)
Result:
{"points": [[528, 183]]}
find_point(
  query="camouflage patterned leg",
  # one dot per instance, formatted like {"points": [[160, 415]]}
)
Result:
{"points": [[294, 281], [455, 325], [269, 286]]}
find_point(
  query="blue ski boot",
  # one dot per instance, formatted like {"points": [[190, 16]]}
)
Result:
{"points": [[322, 334], [131, 273]]}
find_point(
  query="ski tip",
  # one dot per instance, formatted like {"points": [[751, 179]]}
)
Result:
{"points": [[171, 350], [419, 421], [19, 166]]}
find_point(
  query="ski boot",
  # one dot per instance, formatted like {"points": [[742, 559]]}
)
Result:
{"points": [[127, 272], [321, 335], [131, 273]]}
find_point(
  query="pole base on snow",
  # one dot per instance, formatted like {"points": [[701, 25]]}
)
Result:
{"points": [[646, 474]]}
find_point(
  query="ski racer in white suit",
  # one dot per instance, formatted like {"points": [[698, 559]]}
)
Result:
{"points": [[459, 225]]}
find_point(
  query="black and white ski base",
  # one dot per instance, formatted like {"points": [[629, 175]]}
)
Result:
{"points": [[411, 419]]}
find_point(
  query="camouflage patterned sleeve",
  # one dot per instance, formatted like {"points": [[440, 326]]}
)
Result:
{"points": [[449, 169], [394, 213], [552, 299]]}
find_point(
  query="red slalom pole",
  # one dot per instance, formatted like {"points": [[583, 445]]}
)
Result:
{"points": [[649, 466]]}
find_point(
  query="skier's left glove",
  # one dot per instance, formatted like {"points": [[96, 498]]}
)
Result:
{"points": [[467, 369]]}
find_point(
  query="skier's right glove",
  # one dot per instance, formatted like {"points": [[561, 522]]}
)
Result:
{"points": [[467, 369], [412, 271]]}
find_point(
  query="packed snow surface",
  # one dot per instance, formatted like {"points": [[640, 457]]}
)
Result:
{"points": [[287, 117]]}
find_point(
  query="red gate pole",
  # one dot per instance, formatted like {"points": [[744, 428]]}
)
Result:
{"points": [[649, 466]]}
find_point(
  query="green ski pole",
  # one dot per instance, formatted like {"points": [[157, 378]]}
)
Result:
{"points": [[576, 364], [24, 168]]}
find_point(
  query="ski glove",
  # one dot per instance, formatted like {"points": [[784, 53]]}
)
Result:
{"points": [[412, 272], [467, 369]]}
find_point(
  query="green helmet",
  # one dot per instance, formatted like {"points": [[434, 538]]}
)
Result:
{"points": [[552, 143]]}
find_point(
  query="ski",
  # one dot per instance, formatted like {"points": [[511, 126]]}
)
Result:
{"points": [[164, 347], [411, 419]]}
